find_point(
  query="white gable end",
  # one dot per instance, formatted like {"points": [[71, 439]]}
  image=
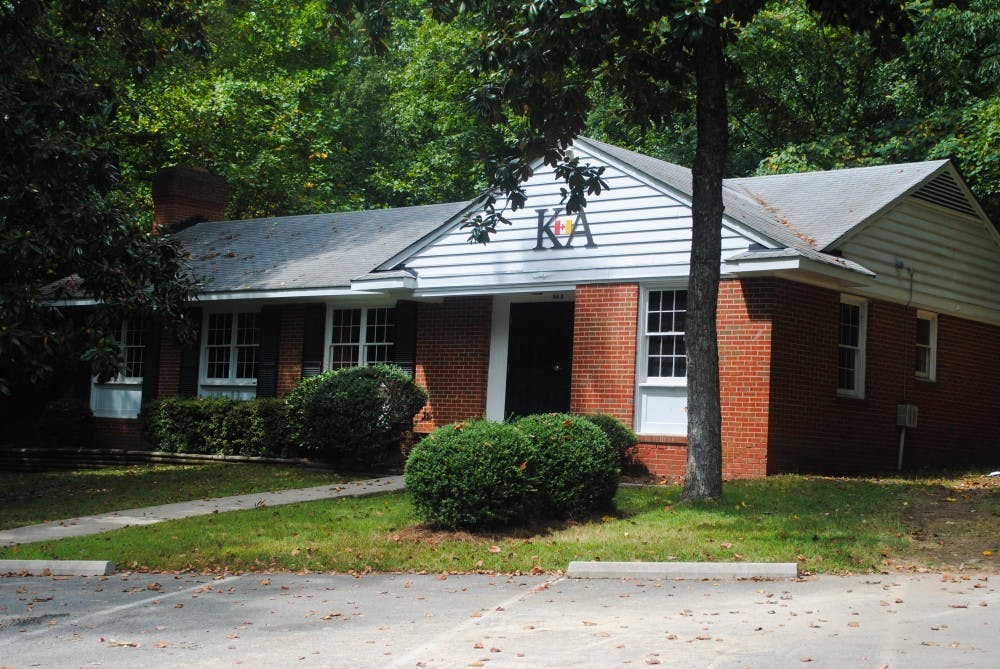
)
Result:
{"points": [[636, 231], [934, 257]]}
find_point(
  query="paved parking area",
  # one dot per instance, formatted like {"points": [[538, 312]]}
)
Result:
{"points": [[435, 621]]}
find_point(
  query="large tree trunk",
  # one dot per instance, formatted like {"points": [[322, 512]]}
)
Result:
{"points": [[704, 462]]}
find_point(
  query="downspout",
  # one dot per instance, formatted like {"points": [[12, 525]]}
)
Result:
{"points": [[905, 375]]}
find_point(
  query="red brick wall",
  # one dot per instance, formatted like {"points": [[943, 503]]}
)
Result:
{"points": [[169, 382], [812, 429], [744, 324], [290, 350], [120, 433], [604, 341], [453, 357]]}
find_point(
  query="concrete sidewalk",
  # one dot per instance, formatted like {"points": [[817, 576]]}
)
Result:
{"points": [[104, 522]]}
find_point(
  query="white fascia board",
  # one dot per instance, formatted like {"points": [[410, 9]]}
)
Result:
{"points": [[308, 293], [798, 268], [395, 283], [495, 290]]}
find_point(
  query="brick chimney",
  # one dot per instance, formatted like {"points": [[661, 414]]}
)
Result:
{"points": [[183, 196]]}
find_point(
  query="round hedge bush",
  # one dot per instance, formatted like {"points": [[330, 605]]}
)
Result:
{"points": [[471, 475], [356, 413], [574, 465], [623, 439]]}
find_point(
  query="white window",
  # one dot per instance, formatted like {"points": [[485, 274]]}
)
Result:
{"points": [[121, 395], [666, 314], [230, 354], [926, 353], [851, 347], [361, 336], [661, 396]]}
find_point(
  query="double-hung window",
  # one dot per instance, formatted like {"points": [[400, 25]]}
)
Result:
{"points": [[925, 364], [851, 347], [662, 365], [361, 336], [666, 314], [232, 341], [121, 395]]}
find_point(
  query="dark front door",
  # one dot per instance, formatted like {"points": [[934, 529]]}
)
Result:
{"points": [[539, 357]]}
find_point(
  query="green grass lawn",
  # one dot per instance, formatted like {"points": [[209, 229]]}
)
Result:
{"points": [[826, 525], [27, 498]]}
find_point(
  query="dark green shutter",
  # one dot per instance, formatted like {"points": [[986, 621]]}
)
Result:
{"points": [[405, 349], [267, 364], [313, 331], [151, 360], [189, 360]]}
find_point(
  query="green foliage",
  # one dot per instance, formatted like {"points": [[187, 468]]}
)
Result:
{"points": [[573, 464], [356, 414], [623, 440], [300, 116], [471, 475], [63, 68], [65, 423], [215, 426]]}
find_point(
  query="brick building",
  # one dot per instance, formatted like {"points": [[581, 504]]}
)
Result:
{"points": [[858, 312]]}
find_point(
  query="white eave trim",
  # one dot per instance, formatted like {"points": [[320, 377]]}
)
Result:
{"points": [[307, 293], [797, 268], [383, 284]]}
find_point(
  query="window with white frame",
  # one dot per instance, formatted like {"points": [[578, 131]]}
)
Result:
{"points": [[232, 341], [361, 336], [121, 395], [132, 339], [666, 314], [661, 392], [851, 347], [926, 353]]}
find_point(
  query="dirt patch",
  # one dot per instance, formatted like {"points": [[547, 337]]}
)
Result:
{"points": [[954, 525]]}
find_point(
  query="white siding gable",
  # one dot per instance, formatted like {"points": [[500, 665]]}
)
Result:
{"points": [[954, 258], [641, 231]]}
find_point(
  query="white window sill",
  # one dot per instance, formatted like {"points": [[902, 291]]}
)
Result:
{"points": [[679, 382]]}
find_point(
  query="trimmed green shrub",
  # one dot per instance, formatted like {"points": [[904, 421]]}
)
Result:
{"points": [[356, 414], [215, 426], [573, 464], [65, 423], [623, 440], [471, 475]]}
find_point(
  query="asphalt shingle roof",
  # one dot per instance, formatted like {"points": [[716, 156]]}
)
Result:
{"points": [[305, 252]]}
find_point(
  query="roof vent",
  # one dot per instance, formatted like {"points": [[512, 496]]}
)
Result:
{"points": [[944, 191]]}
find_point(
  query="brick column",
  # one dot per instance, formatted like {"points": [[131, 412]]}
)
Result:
{"points": [[453, 358], [604, 341]]}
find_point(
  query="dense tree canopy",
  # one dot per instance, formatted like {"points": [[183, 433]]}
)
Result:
{"points": [[62, 64], [300, 114]]}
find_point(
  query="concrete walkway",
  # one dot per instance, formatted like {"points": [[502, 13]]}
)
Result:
{"points": [[104, 522]]}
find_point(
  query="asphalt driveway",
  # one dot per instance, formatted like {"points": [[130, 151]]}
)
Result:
{"points": [[316, 620]]}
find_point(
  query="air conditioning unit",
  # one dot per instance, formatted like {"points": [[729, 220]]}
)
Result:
{"points": [[906, 415]]}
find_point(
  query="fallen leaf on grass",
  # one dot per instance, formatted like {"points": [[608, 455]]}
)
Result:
{"points": [[493, 549]]}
